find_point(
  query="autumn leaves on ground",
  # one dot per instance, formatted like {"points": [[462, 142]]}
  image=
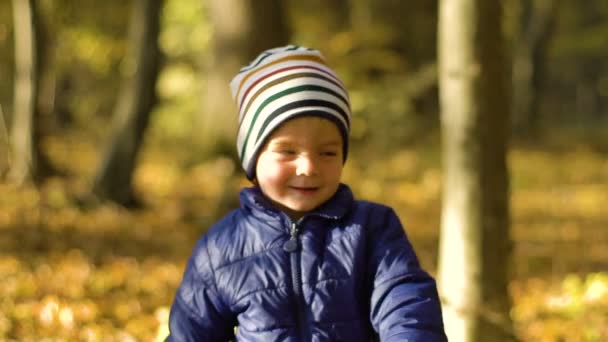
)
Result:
{"points": [[73, 269]]}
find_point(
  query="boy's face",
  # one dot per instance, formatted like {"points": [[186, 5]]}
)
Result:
{"points": [[300, 166]]}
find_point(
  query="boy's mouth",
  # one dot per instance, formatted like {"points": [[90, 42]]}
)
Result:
{"points": [[306, 190]]}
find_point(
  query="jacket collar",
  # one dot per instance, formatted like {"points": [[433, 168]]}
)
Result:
{"points": [[336, 207]]}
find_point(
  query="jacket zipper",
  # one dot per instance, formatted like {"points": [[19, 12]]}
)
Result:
{"points": [[292, 246]]}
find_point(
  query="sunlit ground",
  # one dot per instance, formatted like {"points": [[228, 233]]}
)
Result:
{"points": [[72, 269]]}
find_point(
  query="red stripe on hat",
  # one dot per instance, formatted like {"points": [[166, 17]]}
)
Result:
{"points": [[280, 60], [286, 69]]}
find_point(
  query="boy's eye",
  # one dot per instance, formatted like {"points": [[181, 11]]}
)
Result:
{"points": [[329, 153], [287, 152]]}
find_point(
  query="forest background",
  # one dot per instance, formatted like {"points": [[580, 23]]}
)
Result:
{"points": [[78, 262]]}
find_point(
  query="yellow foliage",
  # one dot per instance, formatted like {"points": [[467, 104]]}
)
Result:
{"points": [[106, 273]]}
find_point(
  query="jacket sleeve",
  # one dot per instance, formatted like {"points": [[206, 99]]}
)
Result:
{"points": [[198, 312], [405, 305]]}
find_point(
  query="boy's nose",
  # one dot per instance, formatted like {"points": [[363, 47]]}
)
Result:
{"points": [[306, 166]]}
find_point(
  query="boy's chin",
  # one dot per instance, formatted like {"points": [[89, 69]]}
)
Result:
{"points": [[298, 210]]}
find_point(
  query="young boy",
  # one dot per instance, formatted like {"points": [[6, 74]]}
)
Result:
{"points": [[301, 259]]}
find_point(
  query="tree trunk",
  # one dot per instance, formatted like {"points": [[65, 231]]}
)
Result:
{"points": [[536, 23], [475, 245], [242, 29], [137, 98], [25, 154], [4, 145], [361, 17]]}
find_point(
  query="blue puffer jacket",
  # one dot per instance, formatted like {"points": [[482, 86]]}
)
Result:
{"points": [[345, 272]]}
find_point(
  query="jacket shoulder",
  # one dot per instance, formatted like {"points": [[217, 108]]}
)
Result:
{"points": [[371, 212], [235, 237], [371, 206], [205, 253]]}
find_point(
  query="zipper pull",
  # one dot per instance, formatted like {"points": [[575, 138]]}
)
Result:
{"points": [[291, 245]]}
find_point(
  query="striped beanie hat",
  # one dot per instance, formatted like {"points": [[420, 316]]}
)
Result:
{"points": [[280, 84]]}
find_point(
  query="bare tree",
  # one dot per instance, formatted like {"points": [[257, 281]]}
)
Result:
{"points": [[24, 162], [4, 144], [242, 29], [132, 112], [474, 99], [535, 27]]}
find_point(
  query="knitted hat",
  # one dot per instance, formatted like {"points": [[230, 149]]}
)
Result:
{"points": [[280, 84]]}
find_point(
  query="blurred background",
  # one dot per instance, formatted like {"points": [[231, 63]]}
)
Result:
{"points": [[131, 149]]}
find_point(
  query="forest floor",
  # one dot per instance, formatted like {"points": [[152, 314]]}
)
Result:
{"points": [[75, 270]]}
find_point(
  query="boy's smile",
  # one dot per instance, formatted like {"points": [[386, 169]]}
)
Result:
{"points": [[305, 190], [300, 166]]}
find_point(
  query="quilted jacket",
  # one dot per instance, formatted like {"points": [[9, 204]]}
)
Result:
{"points": [[345, 272]]}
